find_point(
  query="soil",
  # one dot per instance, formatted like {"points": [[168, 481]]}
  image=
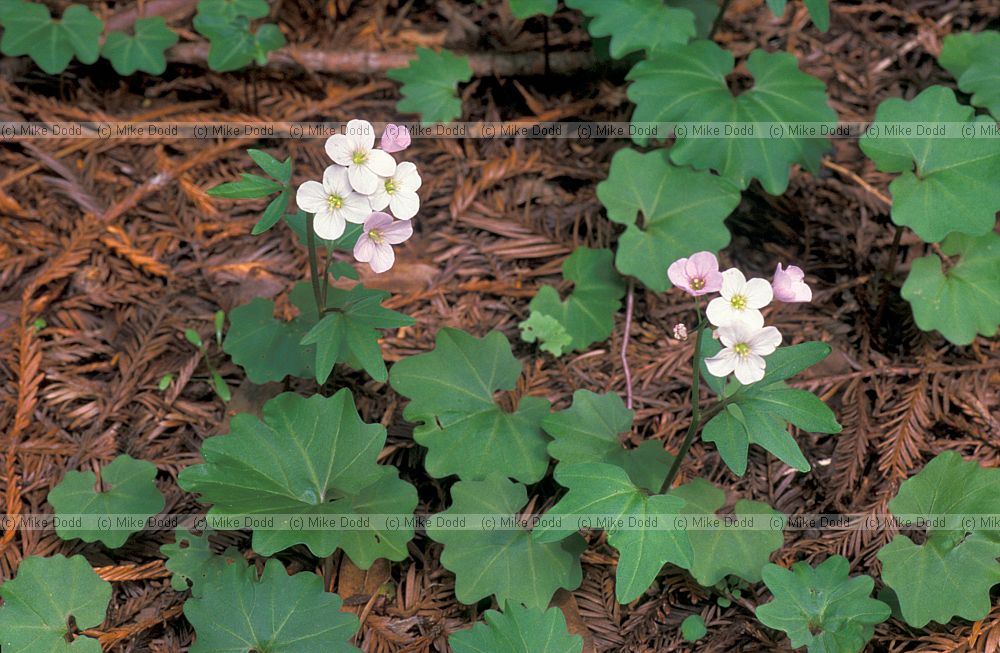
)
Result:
{"points": [[117, 247]]}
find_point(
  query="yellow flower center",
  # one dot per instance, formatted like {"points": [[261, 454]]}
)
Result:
{"points": [[359, 157], [738, 302], [697, 283], [742, 349], [335, 201], [390, 186], [376, 236]]}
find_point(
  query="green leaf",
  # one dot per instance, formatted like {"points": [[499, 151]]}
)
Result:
{"points": [[704, 12], [822, 608], [803, 409], [232, 8], [721, 552], [786, 362], [31, 30], [687, 83], [636, 529], [465, 431], [973, 59], [964, 300], [192, 562], [517, 630], [505, 561], [41, 600], [527, 8], [267, 348], [232, 42], [277, 613], [547, 331], [588, 313], [430, 85], [279, 170], [819, 11], [946, 183], [668, 213], [250, 186], [728, 432], [131, 491], [588, 432], [693, 628], [221, 387], [635, 25], [192, 337], [351, 332], [143, 51], [311, 457], [952, 573], [272, 214]]}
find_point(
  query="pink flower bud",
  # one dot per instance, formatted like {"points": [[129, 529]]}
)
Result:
{"points": [[788, 285], [395, 138], [680, 332]]}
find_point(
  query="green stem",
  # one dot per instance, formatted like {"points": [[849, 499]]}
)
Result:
{"points": [[314, 264], [696, 419]]}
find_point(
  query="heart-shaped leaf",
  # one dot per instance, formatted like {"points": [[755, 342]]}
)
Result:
{"points": [[945, 184], [588, 313], [547, 331], [142, 51], [192, 562], [31, 30], [588, 432], [276, 613], [465, 431], [430, 85], [635, 521], [964, 299], [130, 494], [668, 213], [506, 561], [40, 602], [822, 608], [635, 25], [720, 552], [518, 630], [973, 58], [687, 83], [952, 573], [309, 457]]}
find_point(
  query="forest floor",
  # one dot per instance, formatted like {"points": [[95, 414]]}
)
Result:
{"points": [[117, 247]]}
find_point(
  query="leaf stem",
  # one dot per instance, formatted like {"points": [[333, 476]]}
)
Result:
{"points": [[718, 18], [696, 418], [629, 305], [313, 264]]}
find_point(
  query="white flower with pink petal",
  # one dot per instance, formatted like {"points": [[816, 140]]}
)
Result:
{"points": [[379, 234], [355, 150]]}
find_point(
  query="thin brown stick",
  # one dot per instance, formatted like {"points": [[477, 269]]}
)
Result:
{"points": [[859, 181]]}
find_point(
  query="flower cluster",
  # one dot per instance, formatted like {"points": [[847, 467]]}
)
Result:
{"points": [[736, 313], [361, 184]]}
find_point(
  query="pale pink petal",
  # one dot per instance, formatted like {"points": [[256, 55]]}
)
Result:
{"points": [[355, 208], [362, 135], [713, 282], [339, 148], [378, 220], [329, 225], [732, 283], [702, 264], [397, 232], [758, 293], [395, 138], [381, 163], [404, 204], [335, 181], [677, 273], [383, 258], [749, 369], [801, 293], [789, 285], [364, 249], [406, 176], [362, 179], [722, 363], [311, 197], [765, 341]]}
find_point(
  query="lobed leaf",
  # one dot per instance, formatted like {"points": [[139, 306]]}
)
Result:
{"points": [[430, 85], [193, 564], [636, 25], [973, 59], [546, 330], [30, 29], [517, 630], [144, 50]]}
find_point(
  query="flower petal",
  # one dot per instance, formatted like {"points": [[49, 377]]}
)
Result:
{"points": [[719, 312], [356, 208], [713, 282], [311, 197], [378, 220], [383, 258], [395, 138], [338, 147], [702, 264], [329, 225], [362, 135], [364, 249], [749, 369], [336, 182], [407, 177], [404, 204], [723, 363], [362, 179], [381, 163], [397, 232], [765, 341], [758, 293], [732, 283], [677, 273]]}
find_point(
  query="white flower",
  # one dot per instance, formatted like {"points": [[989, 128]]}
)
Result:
{"points": [[741, 300], [333, 202], [744, 349], [354, 149], [398, 192]]}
